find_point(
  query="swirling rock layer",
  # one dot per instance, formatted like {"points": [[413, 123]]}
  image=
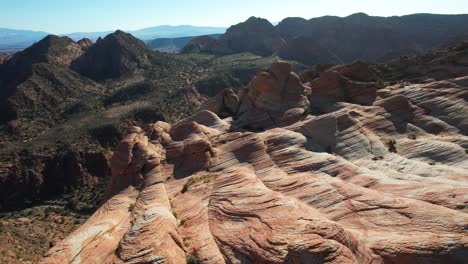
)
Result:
{"points": [[316, 189]]}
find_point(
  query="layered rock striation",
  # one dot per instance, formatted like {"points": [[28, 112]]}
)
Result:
{"points": [[254, 178]]}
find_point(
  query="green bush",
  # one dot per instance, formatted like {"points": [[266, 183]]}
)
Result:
{"points": [[131, 207], [391, 145], [191, 259]]}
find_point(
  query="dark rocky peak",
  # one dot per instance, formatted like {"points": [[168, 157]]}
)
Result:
{"points": [[85, 43], [51, 49], [116, 55], [292, 26], [362, 19], [257, 21], [256, 35], [359, 15]]}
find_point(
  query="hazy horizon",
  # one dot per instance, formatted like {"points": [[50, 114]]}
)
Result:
{"points": [[106, 15]]}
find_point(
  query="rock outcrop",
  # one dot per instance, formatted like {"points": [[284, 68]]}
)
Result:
{"points": [[273, 98], [322, 188], [199, 44], [85, 43], [4, 58]]}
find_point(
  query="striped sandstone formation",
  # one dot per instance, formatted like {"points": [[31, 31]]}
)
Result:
{"points": [[270, 183]]}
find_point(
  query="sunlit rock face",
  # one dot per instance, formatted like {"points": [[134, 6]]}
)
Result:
{"points": [[294, 187]]}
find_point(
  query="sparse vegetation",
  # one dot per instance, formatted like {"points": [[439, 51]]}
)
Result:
{"points": [[192, 259], [175, 215], [391, 145], [186, 243], [412, 136], [205, 178], [377, 158], [131, 207], [29, 233], [380, 83]]}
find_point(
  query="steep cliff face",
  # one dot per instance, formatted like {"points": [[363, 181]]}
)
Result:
{"points": [[378, 171]]}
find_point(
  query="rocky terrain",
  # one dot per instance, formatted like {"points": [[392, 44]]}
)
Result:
{"points": [[337, 40], [64, 111], [328, 166], [332, 140]]}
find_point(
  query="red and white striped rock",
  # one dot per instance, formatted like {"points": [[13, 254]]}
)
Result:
{"points": [[321, 189]]}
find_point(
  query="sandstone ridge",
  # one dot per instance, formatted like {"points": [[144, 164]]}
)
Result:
{"points": [[253, 177]]}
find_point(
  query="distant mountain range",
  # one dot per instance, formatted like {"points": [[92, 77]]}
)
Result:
{"points": [[151, 33], [12, 40], [332, 39]]}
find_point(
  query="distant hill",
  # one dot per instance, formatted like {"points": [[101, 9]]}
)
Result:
{"points": [[332, 39], [12, 41], [173, 45]]}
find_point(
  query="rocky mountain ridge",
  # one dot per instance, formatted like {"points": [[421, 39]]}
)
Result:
{"points": [[338, 40]]}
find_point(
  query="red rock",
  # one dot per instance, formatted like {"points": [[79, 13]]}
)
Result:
{"points": [[85, 43], [226, 102], [334, 87], [273, 98], [207, 188], [357, 71]]}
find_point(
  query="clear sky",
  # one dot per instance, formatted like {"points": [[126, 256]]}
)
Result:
{"points": [[66, 16]]}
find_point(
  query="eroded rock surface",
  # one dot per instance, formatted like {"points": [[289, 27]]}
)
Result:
{"points": [[305, 189]]}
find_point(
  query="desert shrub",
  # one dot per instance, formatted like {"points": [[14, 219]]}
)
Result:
{"points": [[186, 243], [131, 207], [391, 145], [191, 259], [205, 178]]}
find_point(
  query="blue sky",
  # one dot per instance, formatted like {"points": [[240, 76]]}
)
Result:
{"points": [[66, 16]]}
